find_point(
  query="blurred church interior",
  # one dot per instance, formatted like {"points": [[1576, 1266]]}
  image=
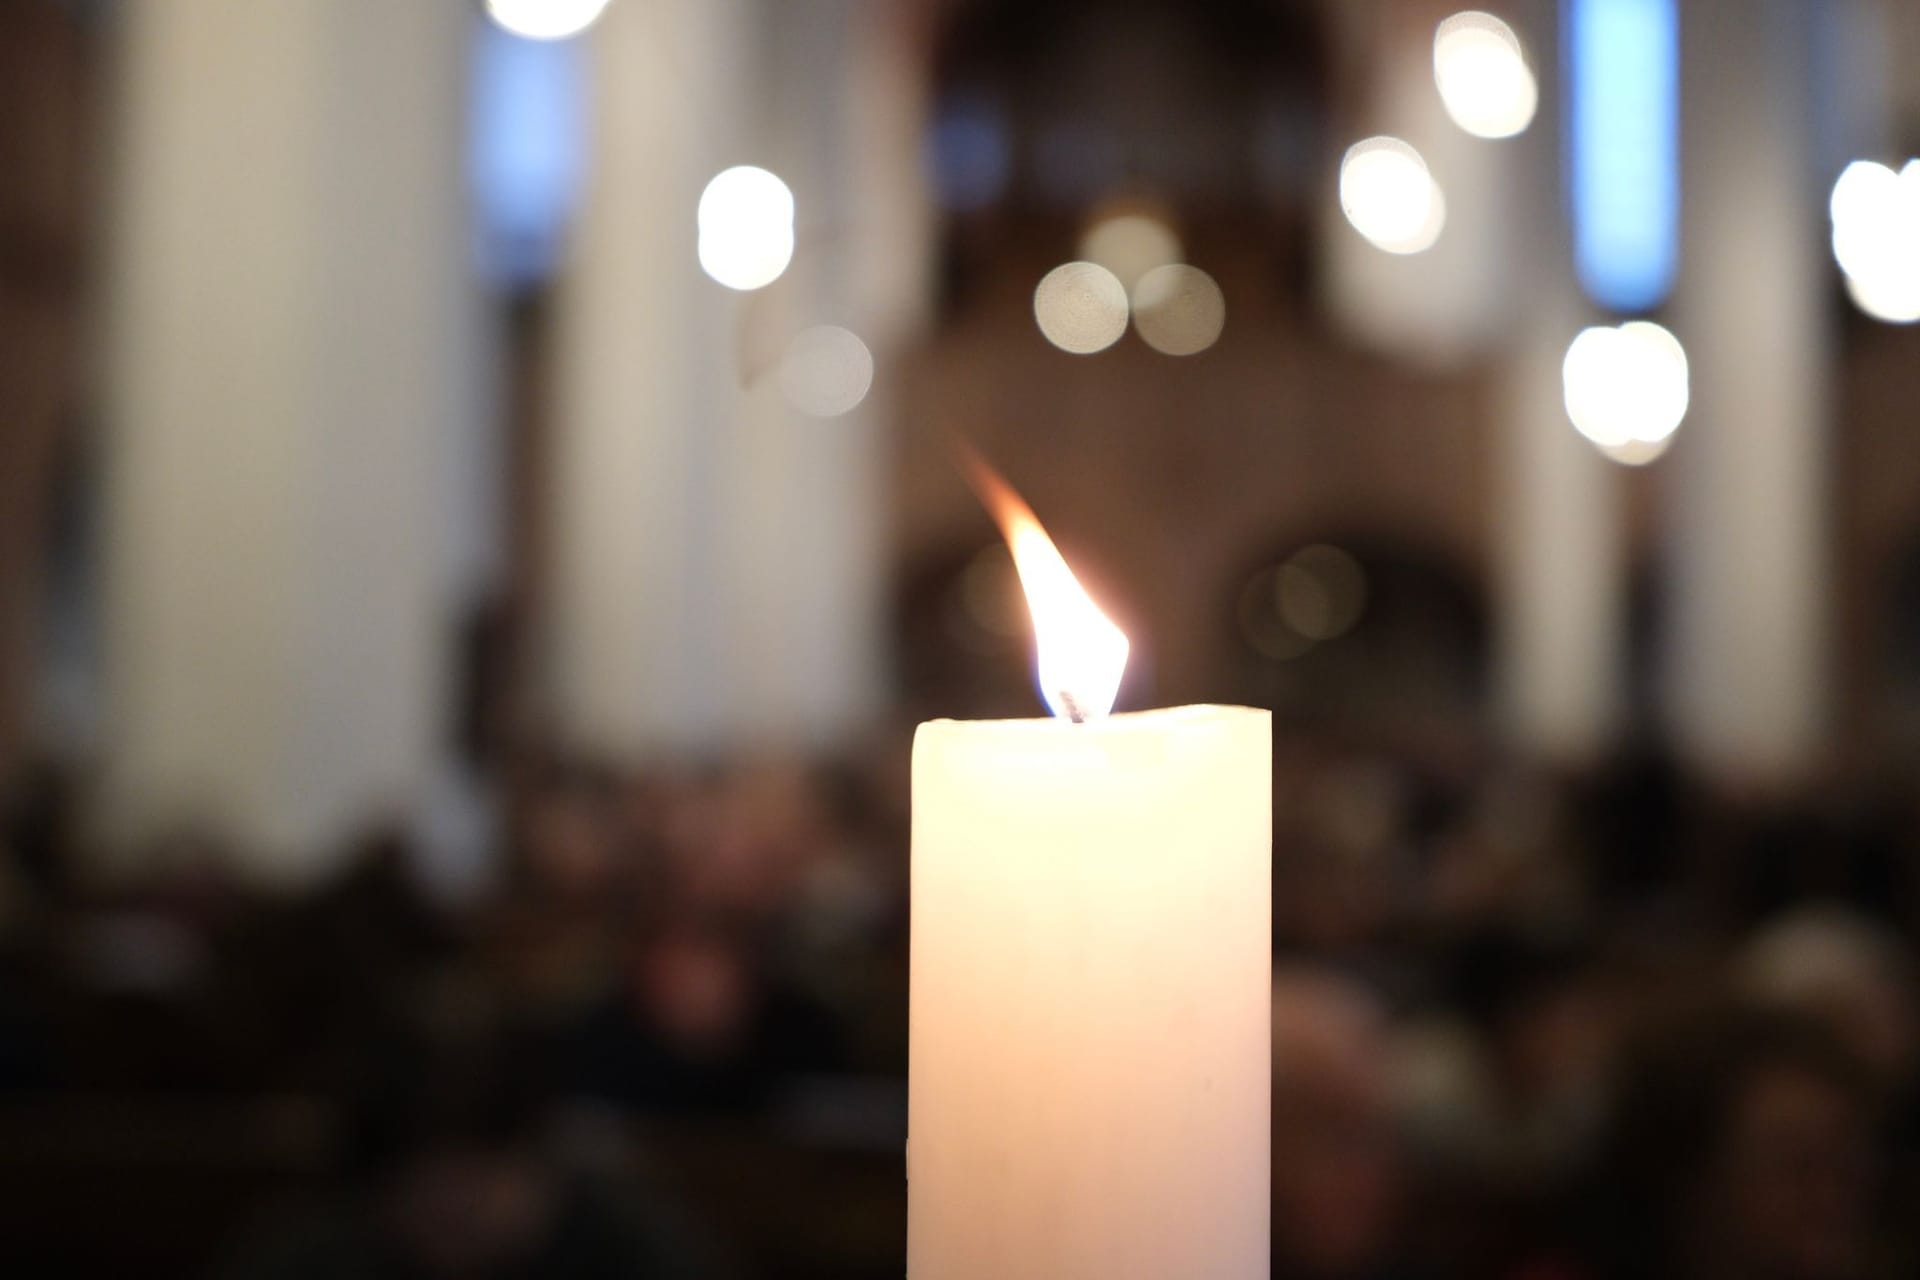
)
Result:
{"points": [[479, 524]]}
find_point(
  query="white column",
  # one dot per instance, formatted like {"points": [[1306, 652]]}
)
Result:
{"points": [[1562, 628], [717, 554], [644, 382], [1500, 279], [286, 370], [1560, 542], [1747, 688], [805, 528]]}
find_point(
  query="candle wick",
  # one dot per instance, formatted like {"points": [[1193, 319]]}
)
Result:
{"points": [[1074, 713]]}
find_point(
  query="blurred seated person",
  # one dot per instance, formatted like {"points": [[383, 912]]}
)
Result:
{"points": [[1742, 1150], [1835, 966], [1337, 1161], [454, 1183], [701, 1022]]}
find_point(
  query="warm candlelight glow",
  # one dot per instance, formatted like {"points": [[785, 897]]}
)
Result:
{"points": [[1082, 655]]}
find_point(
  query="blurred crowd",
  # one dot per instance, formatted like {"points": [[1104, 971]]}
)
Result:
{"points": [[1527, 1026]]}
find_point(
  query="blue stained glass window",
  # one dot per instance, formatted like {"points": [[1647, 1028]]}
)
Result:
{"points": [[1623, 144]]}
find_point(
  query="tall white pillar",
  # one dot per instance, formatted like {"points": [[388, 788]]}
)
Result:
{"points": [[805, 493], [286, 366], [643, 383], [1747, 688], [1560, 548], [1562, 624], [717, 555]]}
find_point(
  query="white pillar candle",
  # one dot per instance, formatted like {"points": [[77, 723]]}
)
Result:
{"points": [[1089, 1079], [1091, 987]]}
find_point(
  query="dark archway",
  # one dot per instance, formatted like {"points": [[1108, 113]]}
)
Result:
{"points": [[1355, 632], [961, 635]]}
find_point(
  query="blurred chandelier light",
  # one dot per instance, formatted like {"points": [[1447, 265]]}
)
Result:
{"points": [[1876, 238], [545, 19], [1389, 197], [1318, 593], [1130, 244], [1321, 592], [826, 371], [1626, 389], [1081, 307], [746, 228], [1178, 310], [1482, 74]]}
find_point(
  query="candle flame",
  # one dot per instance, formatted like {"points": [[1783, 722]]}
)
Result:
{"points": [[1082, 655]]}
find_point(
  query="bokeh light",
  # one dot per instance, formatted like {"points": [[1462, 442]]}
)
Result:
{"points": [[1390, 197], [1482, 73], [545, 19], [1863, 197], [1081, 307], [1626, 389], [1178, 309], [1876, 238], [990, 593], [1321, 592], [1318, 593], [827, 371], [1262, 625], [1894, 297], [746, 228], [1637, 453], [1130, 244]]}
